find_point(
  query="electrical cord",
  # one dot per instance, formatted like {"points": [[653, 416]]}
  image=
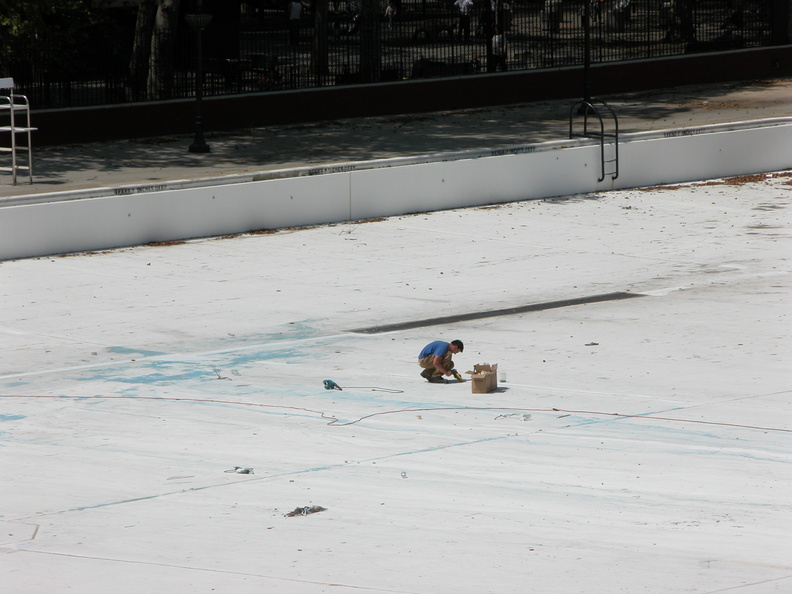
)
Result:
{"points": [[334, 422], [331, 385]]}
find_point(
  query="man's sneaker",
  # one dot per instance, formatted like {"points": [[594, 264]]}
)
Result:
{"points": [[437, 380], [426, 373]]}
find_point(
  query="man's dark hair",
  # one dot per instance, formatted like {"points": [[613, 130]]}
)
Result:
{"points": [[458, 344]]}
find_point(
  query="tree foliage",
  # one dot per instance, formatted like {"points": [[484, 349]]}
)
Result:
{"points": [[60, 34]]}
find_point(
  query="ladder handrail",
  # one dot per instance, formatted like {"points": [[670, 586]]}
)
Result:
{"points": [[586, 107], [13, 104]]}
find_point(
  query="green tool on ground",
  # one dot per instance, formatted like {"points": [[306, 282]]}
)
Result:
{"points": [[331, 385]]}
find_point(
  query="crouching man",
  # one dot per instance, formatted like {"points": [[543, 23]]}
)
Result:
{"points": [[435, 360]]}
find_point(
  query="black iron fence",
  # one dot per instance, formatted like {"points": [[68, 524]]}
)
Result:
{"points": [[338, 42]]}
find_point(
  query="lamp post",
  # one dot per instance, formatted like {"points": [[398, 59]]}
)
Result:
{"points": [[587, 51], [199, 21], [585, 106]]}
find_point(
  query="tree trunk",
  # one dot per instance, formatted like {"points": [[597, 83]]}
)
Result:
{"points": [[141, 49], [370, 42], [321, 45], [222, 39], [160, 75]]}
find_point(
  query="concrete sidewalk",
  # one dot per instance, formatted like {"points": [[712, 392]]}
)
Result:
{"points": [[155, 160]]}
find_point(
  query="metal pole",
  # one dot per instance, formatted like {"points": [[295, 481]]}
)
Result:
{"points": [[585, 106], [199, 22], [587, 51]]}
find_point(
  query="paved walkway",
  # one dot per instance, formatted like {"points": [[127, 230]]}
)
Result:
{"points": [[275, 147]]}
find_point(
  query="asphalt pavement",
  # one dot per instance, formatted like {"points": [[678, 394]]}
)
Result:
{"points": [[161, 159]]}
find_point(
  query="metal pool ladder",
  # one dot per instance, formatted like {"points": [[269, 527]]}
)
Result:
{"points": [[609, 154]]}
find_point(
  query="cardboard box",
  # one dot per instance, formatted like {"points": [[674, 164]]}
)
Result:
{"points": [[484, 378]]}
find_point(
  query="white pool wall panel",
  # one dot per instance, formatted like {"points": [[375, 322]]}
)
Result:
{"points": [[106, 218]]}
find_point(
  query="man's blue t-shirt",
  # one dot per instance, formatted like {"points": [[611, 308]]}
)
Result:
{"points": [[438, 347]]}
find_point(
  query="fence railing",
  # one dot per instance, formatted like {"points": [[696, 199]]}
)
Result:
{"points": [[423, 39]]}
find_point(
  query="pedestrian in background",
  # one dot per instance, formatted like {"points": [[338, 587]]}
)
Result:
{"points": [[500, 50], [295, 13], [464, 6]]}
